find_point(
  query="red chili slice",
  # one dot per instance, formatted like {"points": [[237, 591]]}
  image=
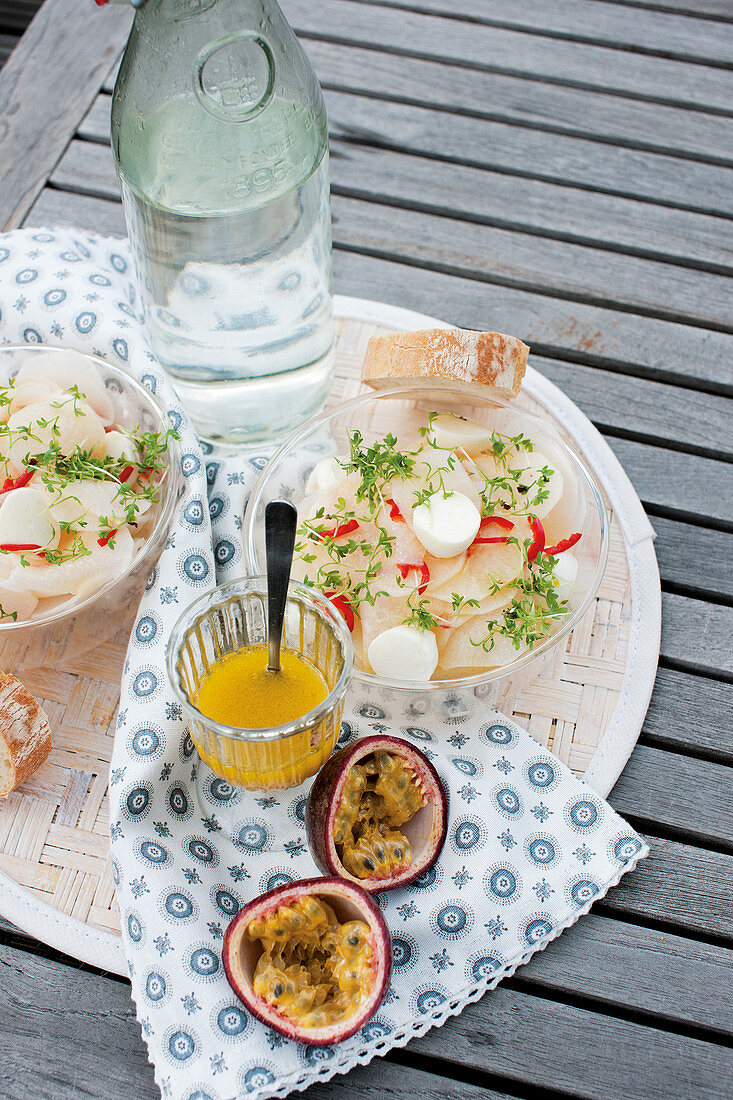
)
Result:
{"points": [[538, 543], [405, 567], [563, 544], [9, 484], [20, 547], [394, 511], [501, 520], [105, 538], [337, 532], [343, 606], [127, 473]]}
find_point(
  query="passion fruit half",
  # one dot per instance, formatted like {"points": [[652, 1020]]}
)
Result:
{"points": [[311, 959], [377, 814]]}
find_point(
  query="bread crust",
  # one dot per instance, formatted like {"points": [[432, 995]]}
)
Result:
{"points": [[472, 359], [25, 737]]}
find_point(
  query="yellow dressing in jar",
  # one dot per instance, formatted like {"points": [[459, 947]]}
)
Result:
{"points": [[239, 691]]}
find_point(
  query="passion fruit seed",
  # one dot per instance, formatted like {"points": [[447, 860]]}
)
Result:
{"points": [[313, 970], [380, 794]]}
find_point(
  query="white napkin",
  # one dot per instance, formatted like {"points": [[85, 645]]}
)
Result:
{"points": [[529, 846]]}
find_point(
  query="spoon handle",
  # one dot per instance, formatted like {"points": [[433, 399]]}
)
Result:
{"points": [[281, 520]]}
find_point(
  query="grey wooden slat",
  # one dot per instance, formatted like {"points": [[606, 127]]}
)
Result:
{"points": [[535, 263], [679, 884], [8, 42], [508, 51], [691, 712], [510, 148], [45, 88], [511, 1033], [530, 104], [81, 1039], [607, 24], [657, 411], [694, 557], [715, 9], [532, 205], [16, 14], [538, 1042], [630, 966], [665, 788], [639, 344], [697, 633]]}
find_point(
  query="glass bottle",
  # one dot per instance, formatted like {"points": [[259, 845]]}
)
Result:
{"points": [[221, 146]]}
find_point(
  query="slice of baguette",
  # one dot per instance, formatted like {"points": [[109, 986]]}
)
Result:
{"points": [[25, 737], [474, 360]]}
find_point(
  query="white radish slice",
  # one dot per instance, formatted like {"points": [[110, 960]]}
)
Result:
{"points": [[84, 503], [446, 525], [442, 570], [461, 649], [451, 431], [566, 574], [25, 520], [78, 576], [119, 446], [64, 421], [32, 393], [324, 475], [486, 566], [530, 464], [70, 368], [404, 652], [16, 600]]}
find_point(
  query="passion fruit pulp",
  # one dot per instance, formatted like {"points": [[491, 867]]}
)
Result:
{"points": [[311, 959], [377, 814]]}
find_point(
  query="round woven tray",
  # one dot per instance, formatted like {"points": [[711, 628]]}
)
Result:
{"points": [[55, 869]]}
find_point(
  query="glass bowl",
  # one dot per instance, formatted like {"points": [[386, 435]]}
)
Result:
{"points": [[375, 414], [69, 627], [227, 619]]}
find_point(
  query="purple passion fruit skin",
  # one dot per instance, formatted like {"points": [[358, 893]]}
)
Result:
{"points": [[365, 801], [314, 976]]}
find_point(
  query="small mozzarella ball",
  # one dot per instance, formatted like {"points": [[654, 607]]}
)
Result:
{"points": [[119, 445], [324, 475], [404, 653], [566, 573], [446, 525], [451, 431], [24, 518]]}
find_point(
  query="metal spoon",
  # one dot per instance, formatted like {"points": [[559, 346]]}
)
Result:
{"points": [[281, 520]]}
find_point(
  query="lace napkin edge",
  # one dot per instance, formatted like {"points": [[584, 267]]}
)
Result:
{"points": [[298, 1081]]}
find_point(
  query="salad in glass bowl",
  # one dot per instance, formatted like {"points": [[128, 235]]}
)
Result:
{"points": [[461, 538]]}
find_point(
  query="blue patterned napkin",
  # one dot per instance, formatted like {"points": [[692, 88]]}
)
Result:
{"points": [[529, 846]]}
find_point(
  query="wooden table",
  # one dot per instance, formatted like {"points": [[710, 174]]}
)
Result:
{"points": [[561, 171]]}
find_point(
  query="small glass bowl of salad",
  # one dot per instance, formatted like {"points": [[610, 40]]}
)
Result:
{"points": [[461, 537], [89, 479]]}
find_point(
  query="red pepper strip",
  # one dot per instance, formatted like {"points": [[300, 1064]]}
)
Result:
{"points": [[20, 547], [563, 544], [405, 567], [538, 543], [19, 482], [336, 532], [501, 520], [479, 540], [343, 606], [127, 473], [394, 512], [105, 538]]}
